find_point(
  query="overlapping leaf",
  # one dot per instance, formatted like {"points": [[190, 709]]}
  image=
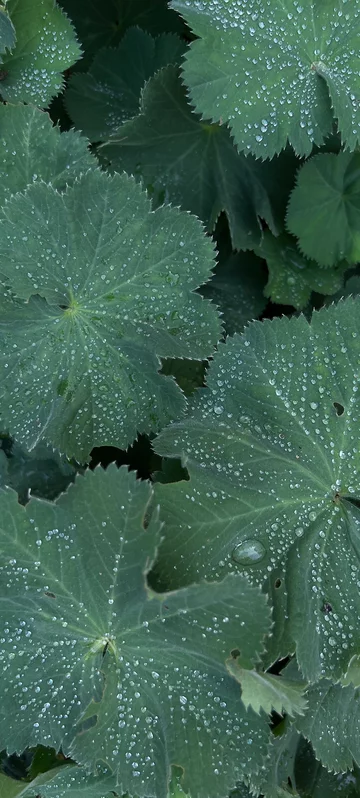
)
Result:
{"points": [[186, 161], [271, 447], [7, 32], [100, 100], [95, 662], [237, 289], [324, 208], [264, 691], [32, 149], [273, 71], [115, 291], [276, 777], [45, 46], [292, 277], [41, 472]]}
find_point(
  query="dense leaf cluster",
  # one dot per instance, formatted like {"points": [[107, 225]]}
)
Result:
{"points": [[179, 444]]}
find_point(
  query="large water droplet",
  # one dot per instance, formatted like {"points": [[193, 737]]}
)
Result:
{"points": [[249, 552]]}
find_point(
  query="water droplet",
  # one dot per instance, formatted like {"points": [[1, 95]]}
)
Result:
{"points": [[249, 552]]}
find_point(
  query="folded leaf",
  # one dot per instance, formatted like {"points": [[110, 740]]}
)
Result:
{"points": [[268, 692]]}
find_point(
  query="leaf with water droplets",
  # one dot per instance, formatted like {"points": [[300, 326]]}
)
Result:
{"points": [[81, 368], [32, 149], [271, 447], [292, 277], [186, 161], [7, 32], [41, 472], [276, 71], [96, 663], [100, 100], [332, 725], [45, 47], [14, 788], [264, 691], [71, 782], [276, 779], [324, 211]]}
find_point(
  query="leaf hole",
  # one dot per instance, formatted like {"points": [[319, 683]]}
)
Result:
{"points": [[49, 594], [278, 583], [235, 653], [326, 607], [339, 408]]}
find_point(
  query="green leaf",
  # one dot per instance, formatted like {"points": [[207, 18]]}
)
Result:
{"points": [[32, 149], [189, 374], [314, 780], [7, 32], [74, 782], [13, 788], [268, 692], [237, 289], [107, 669], [45, 47], [81, 369], [292, 277], [324, 208], [103, 24], [332, 725], [275, 72], [186, 161], [42, 472], [270, 447], [272, 781], [100, 100]]}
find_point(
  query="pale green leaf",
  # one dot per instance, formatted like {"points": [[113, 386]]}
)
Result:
{"points": [[273, 71], [81, 369], [271, 449], [73, 782], [352, 675], [45, 47], [7, 32], [332, 725], [268, 692], [237, 288], [186, 161], [107, 669], [324, 208], [32, 149], [100, 100], [292, 277]]}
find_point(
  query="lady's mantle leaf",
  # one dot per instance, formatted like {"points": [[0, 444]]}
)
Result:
{"points": [[324, 208], [95, 662], [81, 369], [32, 149], [265, 691], [41, 473], [268, 69], [100, 100], [237, 289], [192, 163], [332, 724], [45, 47], [13, 788], [7, 32], [271, 447]]}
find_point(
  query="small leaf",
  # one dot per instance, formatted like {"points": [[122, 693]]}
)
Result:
{"points": [[81, 369], [324, 210], [45, 47], [100, 100], [32, 149], [74, 782], [186, 161], [13, 788], [271, 450], [292, 277], [104, 667], [268, 692], [42, 472], [237, 289], [7, 32], [276, 777]]}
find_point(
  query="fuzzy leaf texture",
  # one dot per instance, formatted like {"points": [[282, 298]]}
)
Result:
{"points": [[96, 663], [186, 161], [271, 447], [115, 290], [274, 71], [45, 46], [324, 208]]}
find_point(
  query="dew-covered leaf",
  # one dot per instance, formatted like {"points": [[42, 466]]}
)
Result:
{"points": [[292, 277], [32, 149], [14, 788], [312, 779], [81, 368], [186, 161], [73, 782], [272, 781], [96, 663], [332, 725], [275, 72], [100, 100], [271, 447], [237, 288], [45, 46], [268, 692], [42, 472], [7, 32], [103, 24], [324, 208]]}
